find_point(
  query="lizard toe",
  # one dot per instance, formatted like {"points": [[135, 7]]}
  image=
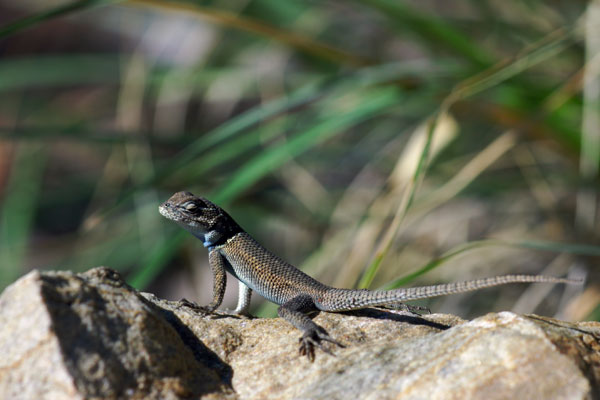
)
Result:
{"points": [[315, 338], [307, 348]]}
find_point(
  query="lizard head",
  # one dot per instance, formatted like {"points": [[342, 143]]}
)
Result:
{"points": [[204, 219]]}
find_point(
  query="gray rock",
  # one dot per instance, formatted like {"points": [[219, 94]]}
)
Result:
{"points": [[70, 336], [66, 335]]}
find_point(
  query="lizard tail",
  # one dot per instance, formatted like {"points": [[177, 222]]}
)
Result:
{"points": [[347, 299]]}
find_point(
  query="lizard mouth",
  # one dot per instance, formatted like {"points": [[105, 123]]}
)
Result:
{"points": [[167, 211]]}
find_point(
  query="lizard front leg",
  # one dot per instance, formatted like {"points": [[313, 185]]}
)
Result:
{"points": [[217, 265], [295, 312]]}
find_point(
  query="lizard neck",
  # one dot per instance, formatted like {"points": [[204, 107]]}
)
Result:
{"points": [[223, 229]]}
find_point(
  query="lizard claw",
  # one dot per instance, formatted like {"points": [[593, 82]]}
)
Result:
{"points": [[315, 337]]}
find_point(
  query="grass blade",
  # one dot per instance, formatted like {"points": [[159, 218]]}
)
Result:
{"points": [[20, 200], [556, 247], [371, 104], [32, 20], [244, 23], [405, 203]]}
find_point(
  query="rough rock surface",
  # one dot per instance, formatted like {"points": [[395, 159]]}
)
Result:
{"points": [[69, 336]]}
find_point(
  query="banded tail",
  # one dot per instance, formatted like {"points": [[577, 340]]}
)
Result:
{"points": [[356, 299]]}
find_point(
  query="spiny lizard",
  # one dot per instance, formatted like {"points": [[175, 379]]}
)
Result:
{"points": [[298, 295]]}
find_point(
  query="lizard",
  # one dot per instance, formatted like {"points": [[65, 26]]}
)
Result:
{"points": [[298, 295]]}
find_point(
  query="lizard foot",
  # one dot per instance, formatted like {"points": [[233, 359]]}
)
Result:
{"points": [[243, 315], [205, 310], [315, 337], [413, 309]]}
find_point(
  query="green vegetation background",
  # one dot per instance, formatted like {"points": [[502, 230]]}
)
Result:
{"points": [[374, 143]]}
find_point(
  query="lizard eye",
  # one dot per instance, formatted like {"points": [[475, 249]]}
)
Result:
{"points": [[190, 206]]}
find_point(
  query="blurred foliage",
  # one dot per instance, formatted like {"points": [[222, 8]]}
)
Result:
{"points": [[368, 141]]}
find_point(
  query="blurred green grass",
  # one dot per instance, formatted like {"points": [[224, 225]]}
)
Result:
{"points": [[304, 113]]}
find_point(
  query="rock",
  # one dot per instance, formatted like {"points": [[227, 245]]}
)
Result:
{"points": [[90, 335], [70, 336]]}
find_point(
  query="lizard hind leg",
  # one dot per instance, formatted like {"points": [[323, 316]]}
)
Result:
{"points": [[295, 312], [243, 305]]}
